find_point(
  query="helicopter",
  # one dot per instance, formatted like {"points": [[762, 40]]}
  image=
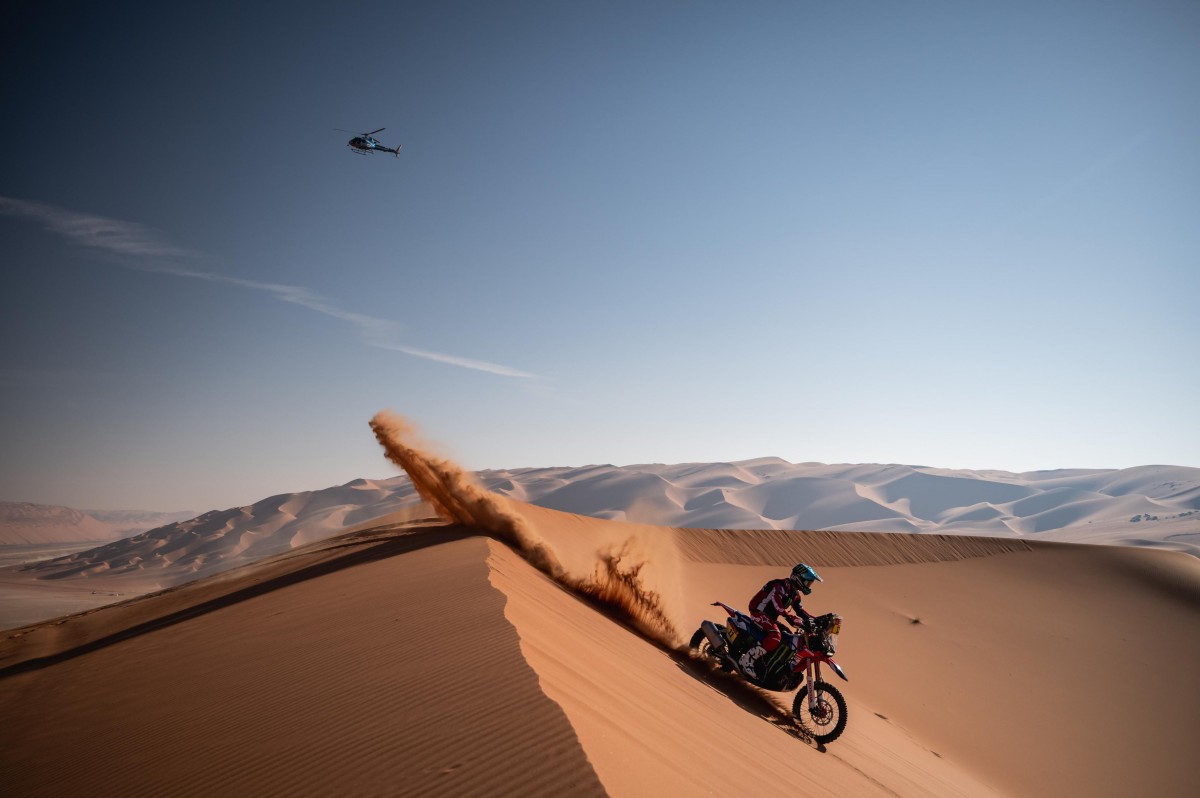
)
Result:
{"points": [[365, 143]]}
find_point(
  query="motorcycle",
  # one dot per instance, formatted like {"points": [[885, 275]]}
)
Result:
{"points": [[819, 707]]}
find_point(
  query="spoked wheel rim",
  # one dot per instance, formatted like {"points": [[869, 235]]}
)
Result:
{"points": [[823, 714], [701, 645], [704, 650], [827, 719]]}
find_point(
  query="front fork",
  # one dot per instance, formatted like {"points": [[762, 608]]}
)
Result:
{"points": [[813, 675]]}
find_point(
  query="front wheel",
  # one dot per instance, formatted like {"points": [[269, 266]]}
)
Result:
{"points": [[827, 720]]}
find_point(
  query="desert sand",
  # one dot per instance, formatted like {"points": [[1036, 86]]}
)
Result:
{"points": [[503, 648]]}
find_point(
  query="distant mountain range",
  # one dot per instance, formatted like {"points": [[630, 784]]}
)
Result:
{"points": [[1143, 506], [23, 523]]}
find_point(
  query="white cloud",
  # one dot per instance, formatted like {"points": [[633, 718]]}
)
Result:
{"points": [[99, 232], [141, 248]]}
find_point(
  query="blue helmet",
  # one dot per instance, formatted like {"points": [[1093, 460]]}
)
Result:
{"points": [[803, 576]]}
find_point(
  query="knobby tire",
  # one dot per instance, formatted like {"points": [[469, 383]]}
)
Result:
{"points": [[800, 711]]}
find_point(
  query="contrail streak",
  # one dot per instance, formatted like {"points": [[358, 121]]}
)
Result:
{"points": [[112, 235], [141, 248], [1071, 185]]}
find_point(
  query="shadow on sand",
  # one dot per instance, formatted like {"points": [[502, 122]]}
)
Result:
{"points": [[748, 697]]}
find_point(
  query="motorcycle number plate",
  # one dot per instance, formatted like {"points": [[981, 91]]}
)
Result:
{"points": [[837, 627]]}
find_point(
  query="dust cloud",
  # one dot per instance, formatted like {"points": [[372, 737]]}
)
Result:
{"points": [[615, 583]]}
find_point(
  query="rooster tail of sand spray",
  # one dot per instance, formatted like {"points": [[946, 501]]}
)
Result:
{"points": [[614, 584], [455, 496]]}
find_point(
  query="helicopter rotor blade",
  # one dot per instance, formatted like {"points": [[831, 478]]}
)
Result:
{"points": [[343, 130], [373, 132]]}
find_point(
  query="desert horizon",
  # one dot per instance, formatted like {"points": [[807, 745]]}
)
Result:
{"points": [[47, 570]]}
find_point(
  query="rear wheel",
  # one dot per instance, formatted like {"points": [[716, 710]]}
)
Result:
{"points": [[827, 720], [704, 650]]}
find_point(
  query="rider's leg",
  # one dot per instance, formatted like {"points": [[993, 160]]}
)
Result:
{"points": [[751, 660], [771, 639]]}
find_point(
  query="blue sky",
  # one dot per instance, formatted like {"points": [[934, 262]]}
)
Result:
{"points": [[958, 235]]}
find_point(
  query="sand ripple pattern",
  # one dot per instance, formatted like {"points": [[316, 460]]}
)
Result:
{"points": [[357, 678], [835, 549]]}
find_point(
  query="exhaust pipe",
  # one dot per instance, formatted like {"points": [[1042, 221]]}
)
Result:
{"points": [[720, 648], [714, 636]]}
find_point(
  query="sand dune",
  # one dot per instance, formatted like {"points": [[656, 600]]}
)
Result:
{"points": [[1152, 505], [1148, 505], [220, 540], [977, 666], [309, 675]]}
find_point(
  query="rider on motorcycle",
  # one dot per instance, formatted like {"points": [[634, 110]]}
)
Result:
{"points": [[774, 599]]}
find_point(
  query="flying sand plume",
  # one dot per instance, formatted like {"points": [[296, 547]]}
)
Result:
{"points": [[614, 584], [455, 497]]}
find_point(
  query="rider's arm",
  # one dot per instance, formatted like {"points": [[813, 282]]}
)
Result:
{"points": [[803, 613]]}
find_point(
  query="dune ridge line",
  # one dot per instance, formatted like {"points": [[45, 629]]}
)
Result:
{"points": [[838, 549], [616, 582]]}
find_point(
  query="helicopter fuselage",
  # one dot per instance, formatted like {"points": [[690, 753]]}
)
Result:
{"points": [[366, 145]]}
